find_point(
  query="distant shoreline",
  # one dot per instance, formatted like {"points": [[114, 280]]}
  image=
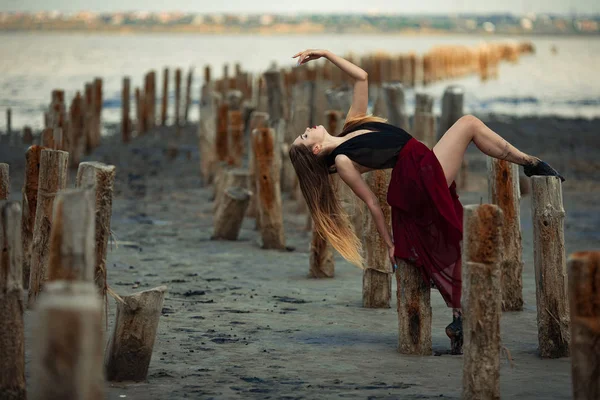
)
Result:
{"points": [[289, 31]]}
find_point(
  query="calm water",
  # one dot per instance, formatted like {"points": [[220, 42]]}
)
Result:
{"points": [[32, 64]]}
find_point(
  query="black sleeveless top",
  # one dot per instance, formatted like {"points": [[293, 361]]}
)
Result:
{"points": [[377, 149]]}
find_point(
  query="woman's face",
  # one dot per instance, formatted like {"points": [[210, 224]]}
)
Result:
{"points": [[311, 136]]}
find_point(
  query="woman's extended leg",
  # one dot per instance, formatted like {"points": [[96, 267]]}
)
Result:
{"points": [[450, 150]]}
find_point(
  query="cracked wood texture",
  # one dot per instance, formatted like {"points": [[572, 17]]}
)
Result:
{"points": [[230, 214], [4, 181], [503, 190], [268, 189], [550, 267], [482, 249], [129, 348], [584, 295], [12, 342], [53, 177], [29, 206]]}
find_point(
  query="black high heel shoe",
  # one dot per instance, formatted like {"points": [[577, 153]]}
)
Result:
{"points": [[455, 333], [541, 168]]}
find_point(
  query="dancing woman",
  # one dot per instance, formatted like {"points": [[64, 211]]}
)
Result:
{"points": [[426, 213]]}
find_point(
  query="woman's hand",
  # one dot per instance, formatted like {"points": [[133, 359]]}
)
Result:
{"points": [[309, 55], [392, 258]]}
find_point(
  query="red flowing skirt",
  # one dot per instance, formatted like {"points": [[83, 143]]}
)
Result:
{"points": [[427, 219]]}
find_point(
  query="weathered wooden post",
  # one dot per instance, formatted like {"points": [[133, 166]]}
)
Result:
{"points": [[268, 189], [393, 94], [584, 299], [8, 125], [424, 128], [164, 104], [276, 101], [97, 93], [53, 177], [452, 110], [139, 112], [414, 310], [188, 95], [77, 119], [229, 177], [29, 206], [100, 179], [230, 213], [4, 181], [150, 100], [125, 121], [377, 276], [550, 267], [129, 348], [27, 135], [71, 253], [481, 297], [503, 190], [177, 97], [423, 103], [12, 341], [258, 120], [222, 138], [67, 355], [207, 130]]}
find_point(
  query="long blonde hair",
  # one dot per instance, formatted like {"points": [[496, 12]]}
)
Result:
{"points": [[318, 189]]}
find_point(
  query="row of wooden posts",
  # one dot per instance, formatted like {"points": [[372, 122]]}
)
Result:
{"points": [[54, 244], [492, 245]]}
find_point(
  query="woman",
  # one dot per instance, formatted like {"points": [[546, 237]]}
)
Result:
{"points": [[426, 212]]}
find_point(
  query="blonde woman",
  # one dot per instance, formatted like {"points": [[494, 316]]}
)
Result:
{"points": [[426, 212]]}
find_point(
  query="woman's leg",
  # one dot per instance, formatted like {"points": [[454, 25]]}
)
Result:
{"points": [[450, 150]]}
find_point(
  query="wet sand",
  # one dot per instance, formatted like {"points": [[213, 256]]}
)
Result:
{"points": [[242, 322]]}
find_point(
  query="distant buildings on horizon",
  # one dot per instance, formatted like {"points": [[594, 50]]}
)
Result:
{"points": [[301, 23]]}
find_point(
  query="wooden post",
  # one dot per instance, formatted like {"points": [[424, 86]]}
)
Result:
{"points": [[236, 137], [29, 206], [229, 177], [164, 105], [423, 103], [207, 130], [100, 178], [393, 93], [503, 190], [139, 112], [12, 341], [67, 354], [125, 121], [230, 213], [377, 278], [550, 267], [424, 128], [188, 95], [222, 138], [258, 120], [482, 249], [77, 125], [150, 99], [268, 189], [53, 177], [177, 97], [27, 135], [452, 110], [414, 310], [8, 125], [275, 95], [129, 348], [97, 111], [584, 299], [71, 253], [4, 181]]}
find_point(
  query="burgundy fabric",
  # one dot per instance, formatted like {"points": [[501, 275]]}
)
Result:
{"points": [[427, 219]]}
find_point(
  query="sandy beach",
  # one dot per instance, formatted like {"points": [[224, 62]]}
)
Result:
{"points": [[240, 322]]}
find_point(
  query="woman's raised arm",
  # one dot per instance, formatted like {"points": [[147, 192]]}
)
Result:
{"points": [[360, 96]]}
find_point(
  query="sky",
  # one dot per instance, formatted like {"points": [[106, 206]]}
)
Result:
{"points": [[293, 6]]}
